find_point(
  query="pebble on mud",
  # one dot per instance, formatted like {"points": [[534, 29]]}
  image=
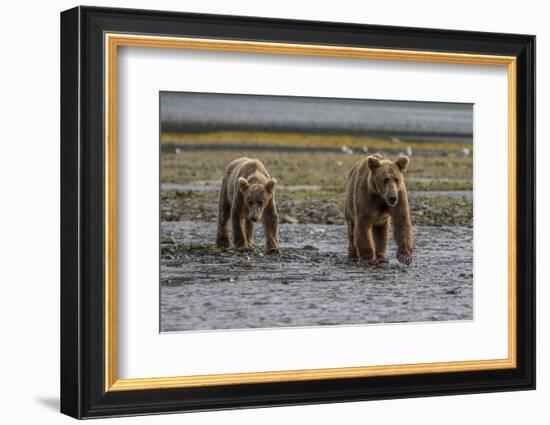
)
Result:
{"points": [[454, 291], [310, 248]]}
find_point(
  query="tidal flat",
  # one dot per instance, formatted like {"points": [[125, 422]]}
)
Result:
{"points": [[311, 282]]}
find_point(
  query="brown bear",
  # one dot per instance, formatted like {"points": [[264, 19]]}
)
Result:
{"points": [[376, 192], [247, 196]]}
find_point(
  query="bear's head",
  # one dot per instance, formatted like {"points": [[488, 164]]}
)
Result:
{"points": [[256, 196], [387, 177]]}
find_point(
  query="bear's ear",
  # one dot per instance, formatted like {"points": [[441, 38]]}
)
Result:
{"points": [[243, 184], [373, 162], [402, 163], [270, 185]]}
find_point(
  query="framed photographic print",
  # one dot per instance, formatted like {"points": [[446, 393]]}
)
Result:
{"points": [[261, 212]]}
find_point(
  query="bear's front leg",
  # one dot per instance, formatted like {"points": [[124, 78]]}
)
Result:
{"points": [[405, 252], [271, 228], [362, 236], [380, 236], [239, 237], [352, 251], [402, 231], [224, 211], [249, 233]]}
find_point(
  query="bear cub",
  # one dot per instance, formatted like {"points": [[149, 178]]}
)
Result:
{"points": [[375, 196], [247, 196]]}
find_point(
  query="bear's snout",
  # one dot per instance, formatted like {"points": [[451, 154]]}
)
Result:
{"points": [[255, 214], [392, 200]]}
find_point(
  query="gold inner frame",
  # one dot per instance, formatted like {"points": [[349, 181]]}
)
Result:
{"points": [[113, 41]]}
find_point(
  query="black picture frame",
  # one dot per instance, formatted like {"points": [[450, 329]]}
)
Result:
{"points": [[83, 392]]}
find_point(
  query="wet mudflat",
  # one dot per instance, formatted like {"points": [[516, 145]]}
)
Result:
{"points": [[311, 282]]}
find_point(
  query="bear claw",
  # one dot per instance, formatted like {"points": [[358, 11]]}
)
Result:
{"points": [[246, 249], [404, 258], [367, 262]]}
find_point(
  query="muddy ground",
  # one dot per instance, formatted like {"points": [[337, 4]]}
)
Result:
{"points": [[316, 205], [311, 282]]}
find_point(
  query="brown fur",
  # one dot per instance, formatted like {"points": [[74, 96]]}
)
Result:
{"points": [[375, 195], [247, 196]]}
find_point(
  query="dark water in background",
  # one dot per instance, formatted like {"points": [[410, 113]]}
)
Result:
{"points": [[201, 112]]}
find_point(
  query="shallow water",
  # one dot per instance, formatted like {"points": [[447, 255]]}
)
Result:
{"points": [[311, 283]]}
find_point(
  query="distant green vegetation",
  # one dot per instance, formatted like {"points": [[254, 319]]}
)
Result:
{"points": [[326, 170]]}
